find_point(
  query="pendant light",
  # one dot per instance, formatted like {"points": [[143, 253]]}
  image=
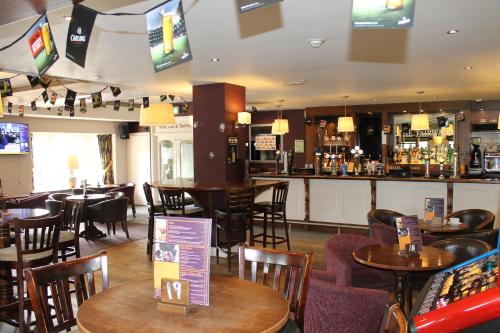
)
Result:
{"points": [[280, 125], [498, 124], [420, 121], [346, 124], [244, 118], [157, 115]]}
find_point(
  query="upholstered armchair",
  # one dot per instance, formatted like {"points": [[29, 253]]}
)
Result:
{"points": [[475, 219], [32, 201], [128, 190], [109, 212]]}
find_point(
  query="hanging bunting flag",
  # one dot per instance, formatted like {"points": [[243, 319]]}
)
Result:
{"points": [[34, 80], [72, 111], [116, 105], [116, 91], [33, 106], [131, 105], [172, 97], [53, 98], [5, 87], [42, 45], [45, 81], [96, 99], [45, 96], [83, 105], [66, 107], [163, 98], [185, 107], [9, 107], [59, 111], [168, 40], [145, 102], [21, 111], [70, 98], [80, 28], [49, 108]]}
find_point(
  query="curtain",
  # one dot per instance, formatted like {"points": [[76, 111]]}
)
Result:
{"points": [[106, 153]]}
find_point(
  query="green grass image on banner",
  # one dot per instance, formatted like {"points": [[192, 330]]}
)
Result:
{"points": [[375, 14], [161, 60]]}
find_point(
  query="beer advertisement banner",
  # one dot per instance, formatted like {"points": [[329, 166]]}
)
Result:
{"points": [[382, 14], [53, 98], [115, 90], [33, 106], [21, 111], [145, 102], [5, 87], [42, 45], [34, 80], [45, 96], [116, 105], [80, 28], [168, 39], [9, 107], [83, 105], [96, 99], [131, 105], [70, 98]]}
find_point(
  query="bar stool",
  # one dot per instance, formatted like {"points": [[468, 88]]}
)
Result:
{"points": [[233, 222], [277, 210]]}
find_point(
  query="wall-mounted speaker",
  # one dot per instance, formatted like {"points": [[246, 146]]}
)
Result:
{"points": [[124, 131]]}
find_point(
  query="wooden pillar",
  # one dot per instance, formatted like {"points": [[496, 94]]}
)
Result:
{"points": [[215, 108]]}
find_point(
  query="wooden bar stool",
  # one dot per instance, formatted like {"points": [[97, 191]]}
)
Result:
{"points": [[277, 210], [233, 222]]}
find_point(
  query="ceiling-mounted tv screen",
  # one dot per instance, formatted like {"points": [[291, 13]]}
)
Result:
{"points": [[14, 138]]}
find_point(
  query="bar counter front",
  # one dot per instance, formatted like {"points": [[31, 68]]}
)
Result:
{"points": [[346, 200]]}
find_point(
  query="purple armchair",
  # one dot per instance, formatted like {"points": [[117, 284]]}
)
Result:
{"points": [[388, 235], [334, 308], [339, 262]]}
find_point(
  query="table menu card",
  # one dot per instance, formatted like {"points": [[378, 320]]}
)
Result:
{"points": [[434, 211], [182, 252], [409, 235]]}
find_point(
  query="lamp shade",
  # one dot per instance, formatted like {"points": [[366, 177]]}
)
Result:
{"points": [[1, 108], [438, 140], [346, 124], [420, 122], [448, 131], [157, 115], [73, 162], [244, 118], [498, 124], [280, 127]]}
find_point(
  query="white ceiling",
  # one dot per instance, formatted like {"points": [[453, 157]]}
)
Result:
{"points": [[265, 48]]}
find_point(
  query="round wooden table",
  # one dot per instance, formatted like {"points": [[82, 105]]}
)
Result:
{"points": [[441, 229], [387, 257], [235, 306], [22, 213], [90, 232]]}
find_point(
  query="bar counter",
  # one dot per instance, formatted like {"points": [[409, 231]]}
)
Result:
{"points": [[346, 200]]}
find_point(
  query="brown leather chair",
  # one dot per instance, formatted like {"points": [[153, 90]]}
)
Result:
{"points": [[54, 203], [128, 190], [32, 201], [476, 219], [116, 195], [488, 236], [384, 216], [110, 212]]}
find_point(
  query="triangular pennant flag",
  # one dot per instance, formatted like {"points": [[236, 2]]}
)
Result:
{"points": [[33, 106], [71, 110], [96, 99], [45, 96], [49, 108], [42, 45], [45, 81], [34, 80], [66, 107], [70, 98], [53, 98], [116, 105], [5, 88], [115, 90], [163, 98], [83, 105], [21, 110], [79, 30], [9, 107], [172, 97], [185, 107], [59, 111], [145, 102], [131, 105]]}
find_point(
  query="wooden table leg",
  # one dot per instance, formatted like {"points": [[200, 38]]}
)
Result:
{"points": [[401, 288], [6, 287]]}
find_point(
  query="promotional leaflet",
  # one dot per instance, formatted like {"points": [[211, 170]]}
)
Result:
{"points": [[382, 14], [42, 45], [409, 235], [434, 211]]}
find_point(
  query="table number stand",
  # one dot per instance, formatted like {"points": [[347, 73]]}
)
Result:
{"points": [[174, 297]]}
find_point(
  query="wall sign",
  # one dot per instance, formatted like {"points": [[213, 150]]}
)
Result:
{"points": [[265, 142]]}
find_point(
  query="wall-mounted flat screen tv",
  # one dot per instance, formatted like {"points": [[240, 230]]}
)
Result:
{"points": [[14, 138]]}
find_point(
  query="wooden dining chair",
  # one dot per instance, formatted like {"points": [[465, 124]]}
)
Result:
{"points": [[69, 238], [286, 272], [36, 245], [58, 315], [174, 203], [394, 320], [153, 210]]}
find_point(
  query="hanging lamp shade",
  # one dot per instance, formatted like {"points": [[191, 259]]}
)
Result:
{"points": [[157, 115], [1, 108], [420, 122], [244, 118], [346, 124], [280, 127], [498, 124]]}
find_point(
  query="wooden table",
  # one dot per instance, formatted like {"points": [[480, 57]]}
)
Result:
{"points": [[441, 229], [212, 196], [387, 257], [103, 188], [90, 232], [235, 306]]}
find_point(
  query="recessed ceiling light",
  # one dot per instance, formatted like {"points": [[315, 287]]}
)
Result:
{"points": [[96, 77], [374, 100], [452, 31], [404, 111], [420, 92], [67, 18], [215, 59], [316, 42], [481, 109], [468, 67], [296, 82]]}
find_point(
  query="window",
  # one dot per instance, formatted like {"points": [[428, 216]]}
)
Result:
{"points": [[187, 162], [50, 159]]}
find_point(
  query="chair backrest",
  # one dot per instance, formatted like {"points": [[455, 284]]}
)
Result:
{"points": [[149, 194], [37, 236], [394, 320], [463, 248], [58, 196], [56, 278], [476, 219], [172, 199], [116, 194], [33, 201], [280, 193], [291, 274], [110, 210], [72, 216], [53, 206], [240, 199], [384, 216], [128, 190]]}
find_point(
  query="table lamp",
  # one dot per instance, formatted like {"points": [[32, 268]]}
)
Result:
{"points": [[72, 166]]}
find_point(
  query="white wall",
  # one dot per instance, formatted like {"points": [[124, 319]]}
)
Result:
{"points": [[16, 170]]}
